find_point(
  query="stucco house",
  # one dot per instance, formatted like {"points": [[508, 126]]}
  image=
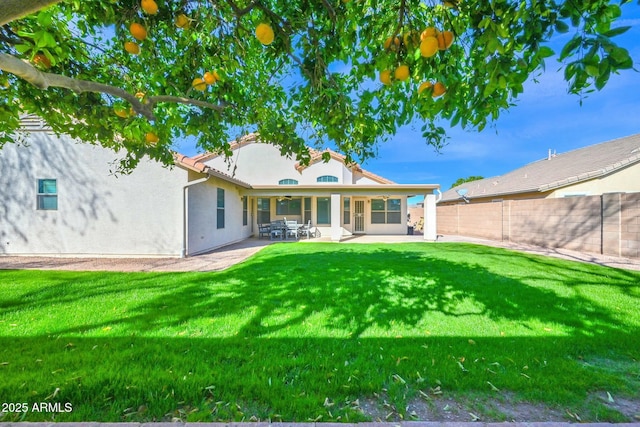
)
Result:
{"points": [[608, 167], [59, 197]]}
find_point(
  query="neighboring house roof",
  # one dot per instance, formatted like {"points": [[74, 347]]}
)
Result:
{"points": [[316, 157], [198, 166], [556, 171]]}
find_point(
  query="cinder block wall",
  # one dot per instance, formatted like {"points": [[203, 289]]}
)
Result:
{"points": [[607, 224], [484, 220], [630, 225], [447, 219], [571, 223]]}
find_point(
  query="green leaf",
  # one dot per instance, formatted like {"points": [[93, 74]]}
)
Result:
{"points": [[489, 89], [24, 48], [570, 71], [45, 19], [620, 55], [571, 46], [502, 31], [616, 31], [561, 27], [602, 79], [493, 45], [592, 70], [545, 52], [485, 22], [613, 11]]}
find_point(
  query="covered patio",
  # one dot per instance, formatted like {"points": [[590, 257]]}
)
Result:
{"points": [[339, 211]]}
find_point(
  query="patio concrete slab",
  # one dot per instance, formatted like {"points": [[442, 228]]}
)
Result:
{"points": [[218, 259]]}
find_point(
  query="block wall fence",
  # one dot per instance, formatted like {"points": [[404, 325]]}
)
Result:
{"points": [[607, 224]]}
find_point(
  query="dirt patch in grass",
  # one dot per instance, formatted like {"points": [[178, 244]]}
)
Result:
{"points": [[504, 409]]}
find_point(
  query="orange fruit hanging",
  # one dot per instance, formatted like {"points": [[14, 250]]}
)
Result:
{"points": [[428, 46], [385, 77], [150, 7], [264, 33], [210, 78], [424, 86], [402, 73], [438, 89], [138, 31], [182, 21], [448, 38], [41, 60], [428, 32], [132, 47], [121, 112], [151, 138], [199, 84]]}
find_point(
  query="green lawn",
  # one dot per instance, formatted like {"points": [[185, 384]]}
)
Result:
{"points": [[305, 332]]}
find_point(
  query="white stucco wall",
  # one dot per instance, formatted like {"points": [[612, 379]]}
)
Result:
{"points": [[262, 164], [203, 232], [333, 168], [98, 214], [257, 163]]}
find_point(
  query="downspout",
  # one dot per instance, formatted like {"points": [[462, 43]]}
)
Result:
{"points": [[185, 220], [439, 197]]}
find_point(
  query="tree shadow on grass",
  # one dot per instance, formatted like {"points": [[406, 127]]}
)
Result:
{"points": [[357, 290], [275, 336], [384, 288]]}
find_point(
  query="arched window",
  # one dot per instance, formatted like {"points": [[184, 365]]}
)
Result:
{"points": [[288, 181], [327, 178]]}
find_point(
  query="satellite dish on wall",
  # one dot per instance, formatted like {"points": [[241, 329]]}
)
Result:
{"points": [[463, 193]]}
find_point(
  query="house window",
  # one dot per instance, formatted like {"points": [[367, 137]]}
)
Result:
{"points": [[307, 209], [47, 197], [264, 211], [385, 211], [288, 182], [289, 207], [220, 210], [245, 211], [347, 211], [323, 206], [327, 178]]}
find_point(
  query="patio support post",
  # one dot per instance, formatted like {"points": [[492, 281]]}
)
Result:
{"points": [[336, 227], [430, 217]]}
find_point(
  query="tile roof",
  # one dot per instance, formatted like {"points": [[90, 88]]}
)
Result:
{"points": [[233, 145], [556, 171], [195, 165]]}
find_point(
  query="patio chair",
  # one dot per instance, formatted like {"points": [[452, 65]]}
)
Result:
{"points": [[305, 230], [277, 230], [264, 230], [291, 229]]}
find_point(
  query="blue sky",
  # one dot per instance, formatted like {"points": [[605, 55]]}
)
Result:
{"points": [[545, 117]]}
